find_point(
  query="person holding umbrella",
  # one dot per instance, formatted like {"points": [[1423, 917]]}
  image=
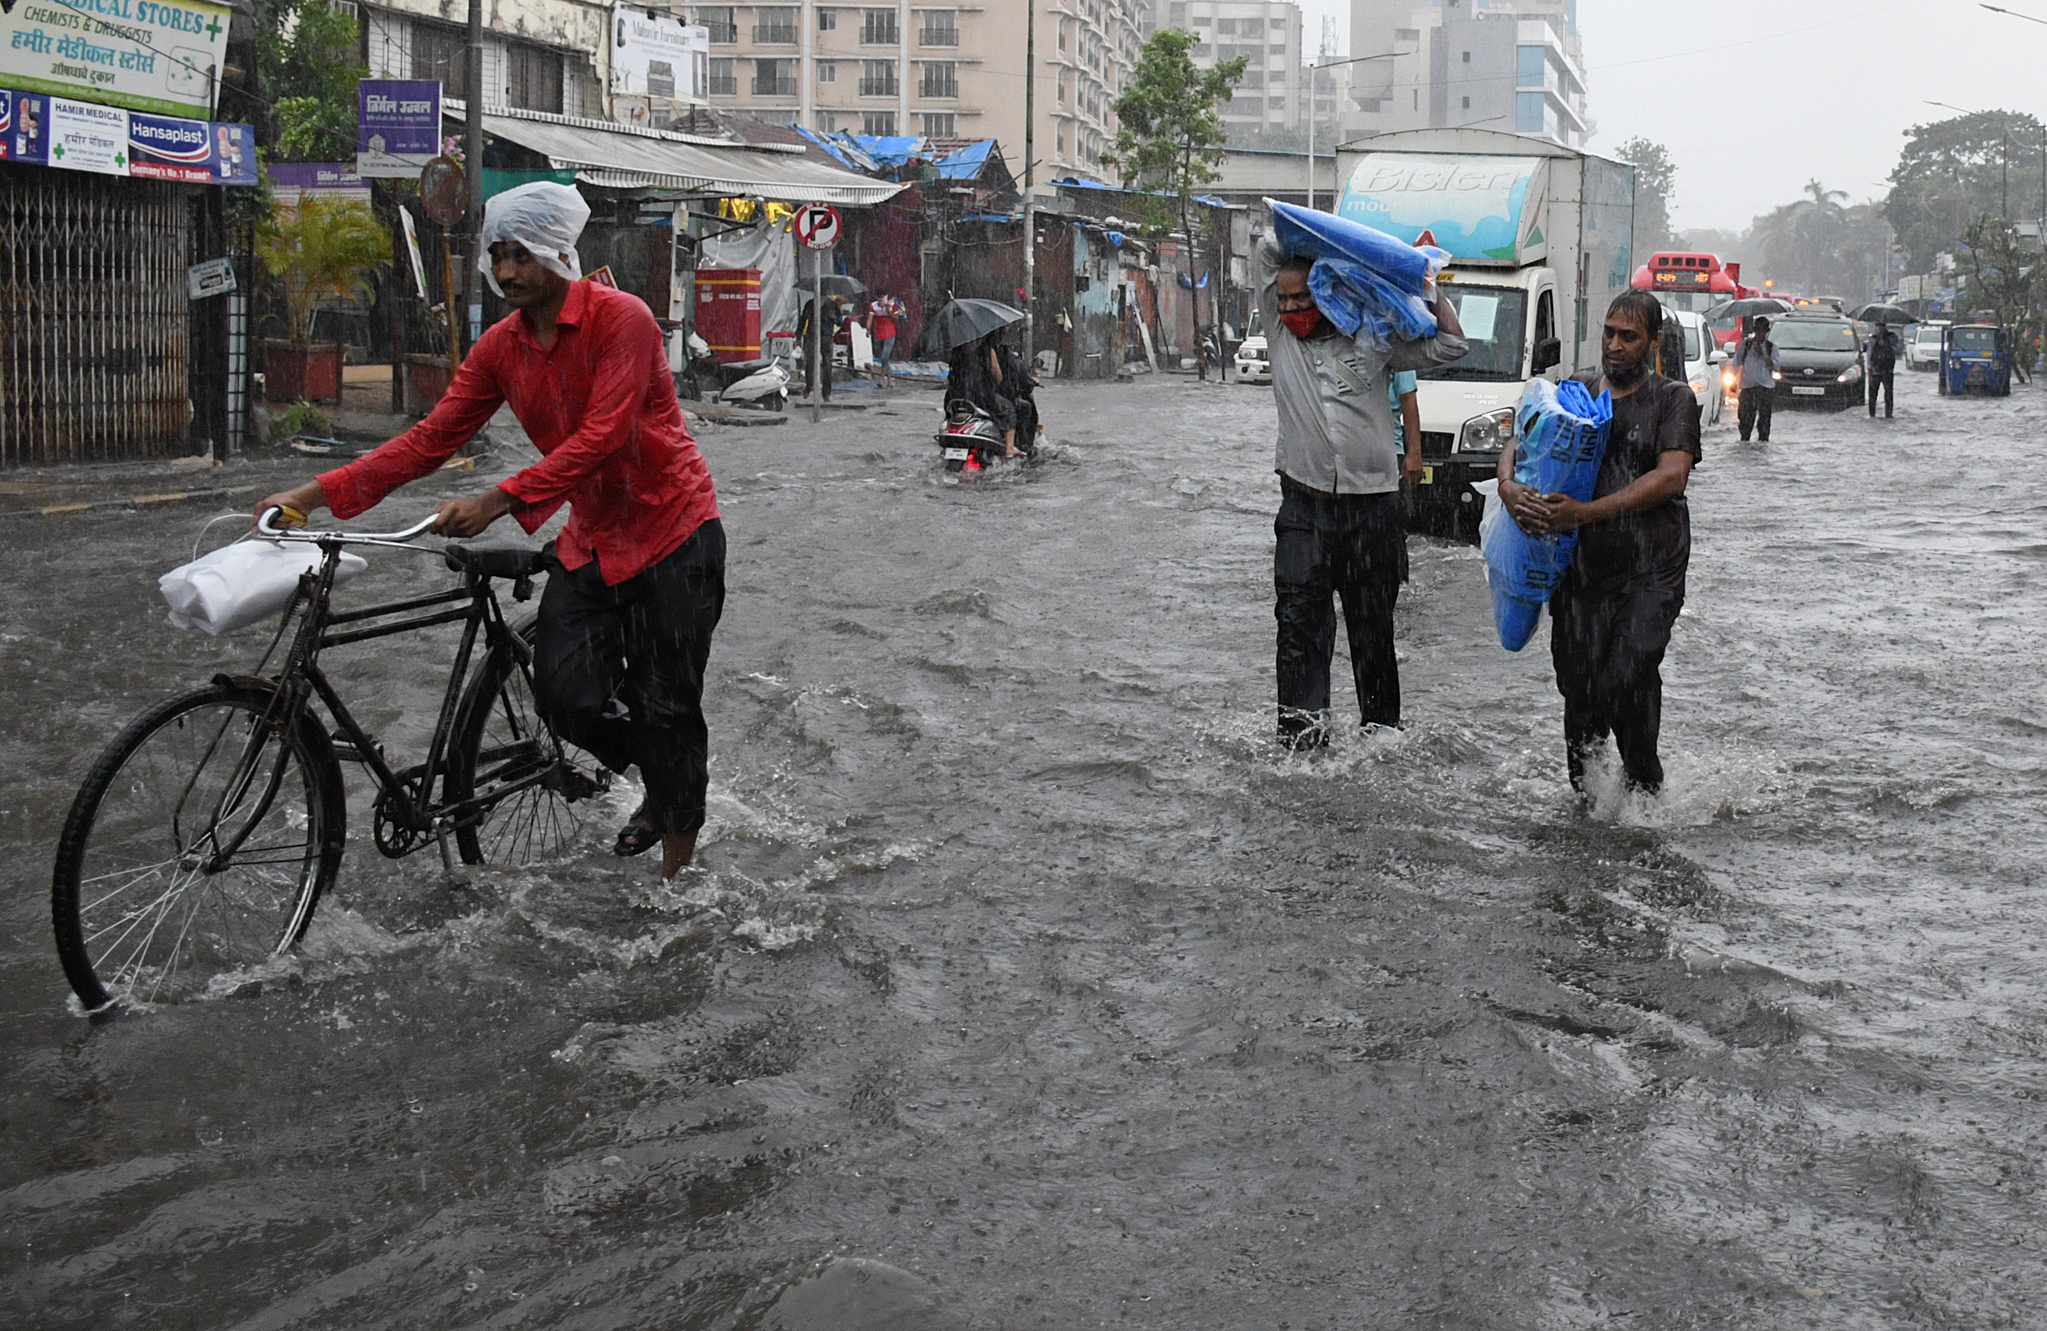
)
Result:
{"points": [[968, 332], [1757, 364], [1883, 365]]}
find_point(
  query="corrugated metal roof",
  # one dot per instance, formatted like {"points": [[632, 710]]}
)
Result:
{"points": [[622, 157]]}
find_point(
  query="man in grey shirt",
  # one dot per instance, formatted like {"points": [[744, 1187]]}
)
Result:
{"points": [[1340, 530]]}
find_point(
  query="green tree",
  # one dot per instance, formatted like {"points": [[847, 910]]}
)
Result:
{"points": [[319, 249], [1655, 185], [2001, 269], [1952, 172], [306, 51], [1171, 141]]}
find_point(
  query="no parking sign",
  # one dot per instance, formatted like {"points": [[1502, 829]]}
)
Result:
{"points": [[817, 225]]}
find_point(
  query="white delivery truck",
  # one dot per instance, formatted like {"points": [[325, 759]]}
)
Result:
{"points": [[1539, 241]]}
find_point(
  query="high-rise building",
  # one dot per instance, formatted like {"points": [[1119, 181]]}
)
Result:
{"points": [[898, 68], [1267, 33], [1515, 65]]}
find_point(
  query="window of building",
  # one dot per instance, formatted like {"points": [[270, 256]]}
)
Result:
{"points": [[879, 124], [877, 78], [1225, 25], [1531, 67], [533, 78], [1278, 25], [1176, 14], [718, 18], [827, 71], [878, 27], [1277, 48], [940, 80], [774, 25], [1062, 33], [939, 124], [723, 80], [1062, 87], [1528, 113], [941, 28], [774, 78], [1276, 103], [1467, 103], [827, 20], [1062, 140], [441, 53]]}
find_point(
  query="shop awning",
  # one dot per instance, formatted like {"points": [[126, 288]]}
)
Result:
{"points": [[625, 157]]}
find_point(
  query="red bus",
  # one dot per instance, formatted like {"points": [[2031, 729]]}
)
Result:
{"points": [[1695, 282]]}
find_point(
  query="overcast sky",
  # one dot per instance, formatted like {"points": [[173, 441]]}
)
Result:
{"points": [[1798, 74]]}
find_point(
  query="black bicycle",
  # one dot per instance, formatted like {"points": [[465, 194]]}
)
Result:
{"points": [[205, 834]]}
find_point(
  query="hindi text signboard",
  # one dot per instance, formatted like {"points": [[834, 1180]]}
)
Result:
{"points": [[398, 126], [145, 55]]}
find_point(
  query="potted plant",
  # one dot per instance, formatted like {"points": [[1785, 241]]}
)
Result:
{"points": [[318, 249]]}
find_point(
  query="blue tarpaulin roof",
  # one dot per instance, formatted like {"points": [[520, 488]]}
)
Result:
{"points": [[967, 162], [1072, 182]]}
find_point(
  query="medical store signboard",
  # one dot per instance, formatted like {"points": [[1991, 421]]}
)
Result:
{"points": [[398, 126], [84, 136], [145, 55], [654, 55]]}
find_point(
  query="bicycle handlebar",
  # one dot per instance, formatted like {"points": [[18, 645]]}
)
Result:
{"points": [[265, 527]]}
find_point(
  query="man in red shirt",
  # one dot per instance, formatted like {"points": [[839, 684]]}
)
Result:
{"points": [[636, 579]]}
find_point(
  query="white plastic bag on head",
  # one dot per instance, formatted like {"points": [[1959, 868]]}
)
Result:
{"points": [[244, 583], [544, 217]]}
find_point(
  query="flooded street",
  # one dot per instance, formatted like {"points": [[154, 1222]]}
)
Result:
{"points": [[1024, 982]]}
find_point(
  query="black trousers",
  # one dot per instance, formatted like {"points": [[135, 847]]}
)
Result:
{"points": [[824, 369], [1352, 547], [1883, 377], [1756, 406], [620, 670], [1607, 650]]}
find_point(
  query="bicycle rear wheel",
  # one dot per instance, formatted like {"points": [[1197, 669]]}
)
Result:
{"points": [[199, 844], [500, 740]]}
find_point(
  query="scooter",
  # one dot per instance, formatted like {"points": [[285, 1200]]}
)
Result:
{"points": [[765, 385], [971, 439]]}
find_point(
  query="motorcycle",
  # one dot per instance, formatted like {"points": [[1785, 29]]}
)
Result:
{"points": [[970, 438]]}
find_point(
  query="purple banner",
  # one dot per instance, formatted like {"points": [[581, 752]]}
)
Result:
{"points": [[398, 126]]}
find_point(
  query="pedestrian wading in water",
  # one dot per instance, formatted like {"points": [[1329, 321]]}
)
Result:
{"points": [[1341, 533], [1610, 619], [636, 580]]}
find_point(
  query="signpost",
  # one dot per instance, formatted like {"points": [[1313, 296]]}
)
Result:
{"points": [[441, 194], [397, 126], [818, 227]]}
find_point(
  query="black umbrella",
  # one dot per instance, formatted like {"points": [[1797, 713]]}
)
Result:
{"points": [[1884, 314], [1752, 305], [959, 322], [835, 284]]}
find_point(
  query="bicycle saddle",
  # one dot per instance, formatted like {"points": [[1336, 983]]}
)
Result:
{"points": [[495, 557]]}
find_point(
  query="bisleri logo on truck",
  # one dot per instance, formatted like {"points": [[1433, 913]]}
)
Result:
{"points": [[1478, 208]]}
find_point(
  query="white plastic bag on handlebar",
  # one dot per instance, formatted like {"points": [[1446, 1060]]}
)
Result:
{"points": [[244, 583]]}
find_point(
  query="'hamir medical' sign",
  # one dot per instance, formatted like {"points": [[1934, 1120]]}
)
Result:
{"points": [[145, 55]]}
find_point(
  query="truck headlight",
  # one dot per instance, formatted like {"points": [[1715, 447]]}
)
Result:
{"points": [[1849, 375], [1488, 433]]}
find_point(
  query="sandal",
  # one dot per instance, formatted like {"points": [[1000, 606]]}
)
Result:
{"points": [[638, 836]]}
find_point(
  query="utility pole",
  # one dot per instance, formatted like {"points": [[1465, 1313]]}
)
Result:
{"points": [[1030, 203], [1313, 71], [472, 161]]}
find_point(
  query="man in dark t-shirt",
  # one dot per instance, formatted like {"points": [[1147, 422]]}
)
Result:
{"points": [[1611, 617]]}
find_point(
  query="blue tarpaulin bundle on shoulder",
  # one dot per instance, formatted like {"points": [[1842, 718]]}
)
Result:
{"points": [[1362, 278], [1563, 431]]}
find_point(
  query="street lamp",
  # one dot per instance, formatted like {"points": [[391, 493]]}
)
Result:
{"points": [[1314, 69]]}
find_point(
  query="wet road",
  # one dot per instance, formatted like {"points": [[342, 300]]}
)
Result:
{"points": [[1023, 983]]}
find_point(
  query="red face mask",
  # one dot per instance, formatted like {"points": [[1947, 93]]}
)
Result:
{"points": [[1301, 323]]}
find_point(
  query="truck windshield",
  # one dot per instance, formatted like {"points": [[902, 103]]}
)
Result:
{"points": [[1495, 320]]}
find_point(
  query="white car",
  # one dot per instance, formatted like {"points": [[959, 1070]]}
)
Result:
{"points": [[1253, 367], [1922, 350], [1702, 364]]}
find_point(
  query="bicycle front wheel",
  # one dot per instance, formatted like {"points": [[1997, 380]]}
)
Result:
{"points": [[501, 744], [198, 845]]}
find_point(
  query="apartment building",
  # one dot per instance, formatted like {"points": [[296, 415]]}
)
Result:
{"points": [[539, 55], [945, 70], [1267, 34], [1515, 65]]}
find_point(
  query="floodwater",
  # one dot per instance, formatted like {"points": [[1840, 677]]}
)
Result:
{"points": [[1024, 983]]}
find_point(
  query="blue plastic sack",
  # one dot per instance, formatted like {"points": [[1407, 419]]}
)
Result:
{"points": [[1362, 278], [1563, 432]]}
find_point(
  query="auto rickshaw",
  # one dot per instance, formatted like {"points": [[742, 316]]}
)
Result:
{"points": [[1975, 358]]}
